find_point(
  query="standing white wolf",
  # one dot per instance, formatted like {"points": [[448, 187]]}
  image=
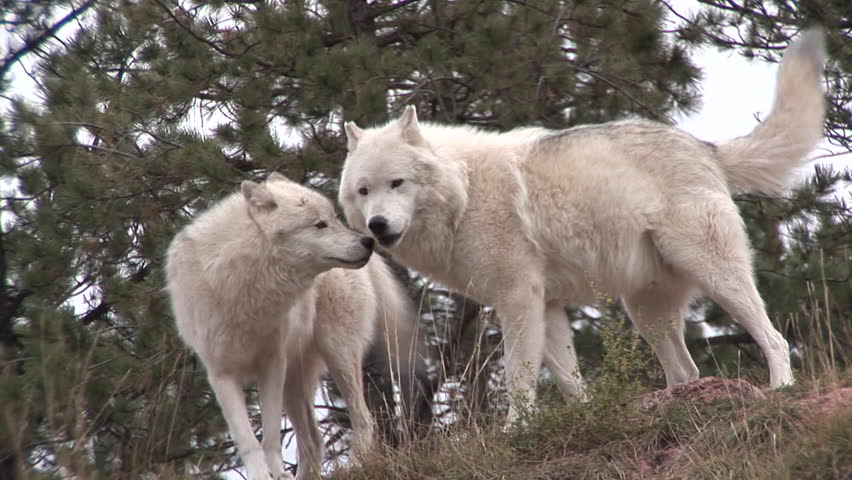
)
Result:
{"points": [[256, 295], [531, 220]]}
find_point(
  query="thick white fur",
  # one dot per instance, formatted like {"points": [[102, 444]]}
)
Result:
{"points": [[255, 295], [531, 220]]}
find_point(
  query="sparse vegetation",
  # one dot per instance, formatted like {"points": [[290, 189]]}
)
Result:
{"points": [[799, 432]]}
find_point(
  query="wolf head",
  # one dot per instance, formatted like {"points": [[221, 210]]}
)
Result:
{"points": [[391, 175], [301, 225]]}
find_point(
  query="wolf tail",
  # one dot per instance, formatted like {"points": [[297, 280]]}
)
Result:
{"points": [[401, 352], [763, 160]]}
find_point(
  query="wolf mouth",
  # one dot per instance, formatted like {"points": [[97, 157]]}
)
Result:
{"points": [[362, 261], [389, 240]]}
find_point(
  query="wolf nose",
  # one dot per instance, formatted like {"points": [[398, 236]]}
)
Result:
{"points": [[378, 224], [367, 242]]}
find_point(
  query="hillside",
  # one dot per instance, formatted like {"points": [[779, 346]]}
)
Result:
{"points": [[709, 429]]}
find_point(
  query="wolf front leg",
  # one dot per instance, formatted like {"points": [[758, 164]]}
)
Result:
{"points": [[231, 398], [271, 387], [521, 313]]}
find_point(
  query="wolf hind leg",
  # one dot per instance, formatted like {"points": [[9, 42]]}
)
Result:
{"points": [[345, 366], [706, 242], [299, 388], [657, 311], [560, 356]]}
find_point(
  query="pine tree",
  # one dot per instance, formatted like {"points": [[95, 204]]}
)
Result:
{"points": [[152, 110]]}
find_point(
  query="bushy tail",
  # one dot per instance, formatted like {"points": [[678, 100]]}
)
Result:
{"points": [[763, 160], [401, 351]]}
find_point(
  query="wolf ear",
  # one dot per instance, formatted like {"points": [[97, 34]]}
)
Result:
{"points": [[409, 126], [353, 135], [257, 195], [277, 177]]}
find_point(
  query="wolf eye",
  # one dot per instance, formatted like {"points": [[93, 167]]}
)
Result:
{"points": [[362, 190], [396, 183], [321, 224]]}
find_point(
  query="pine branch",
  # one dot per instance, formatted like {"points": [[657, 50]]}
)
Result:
{"points": [[104, 307], [36, 43], [210, 43], [602, 77], [9, 302], [378, 12]]}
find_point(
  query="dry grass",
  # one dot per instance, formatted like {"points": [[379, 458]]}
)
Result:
{"points": [[609, 438], [793, 433]]}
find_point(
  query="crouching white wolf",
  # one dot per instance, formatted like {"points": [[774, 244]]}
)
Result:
{"points": [[256, 295], [531, 220]]}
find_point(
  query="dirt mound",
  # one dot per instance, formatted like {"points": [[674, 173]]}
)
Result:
{"points": [[818, 407], [825, 405], [705, 390]]}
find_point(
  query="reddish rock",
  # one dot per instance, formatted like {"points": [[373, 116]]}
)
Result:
{"points": [[826, 405], [704, 390]]}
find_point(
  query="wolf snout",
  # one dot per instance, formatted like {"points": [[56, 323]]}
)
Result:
{"points": [[368, 242], [381, 230], [378, 224]]}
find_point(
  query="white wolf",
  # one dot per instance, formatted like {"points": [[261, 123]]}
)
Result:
{"points": [[531, 220], [256, 295]]}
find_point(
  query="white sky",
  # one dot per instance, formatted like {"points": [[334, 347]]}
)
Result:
{"points": [[735, 93]]}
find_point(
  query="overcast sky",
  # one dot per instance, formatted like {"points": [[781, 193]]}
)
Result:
{"points": [[735, 93], [734, 90]]}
